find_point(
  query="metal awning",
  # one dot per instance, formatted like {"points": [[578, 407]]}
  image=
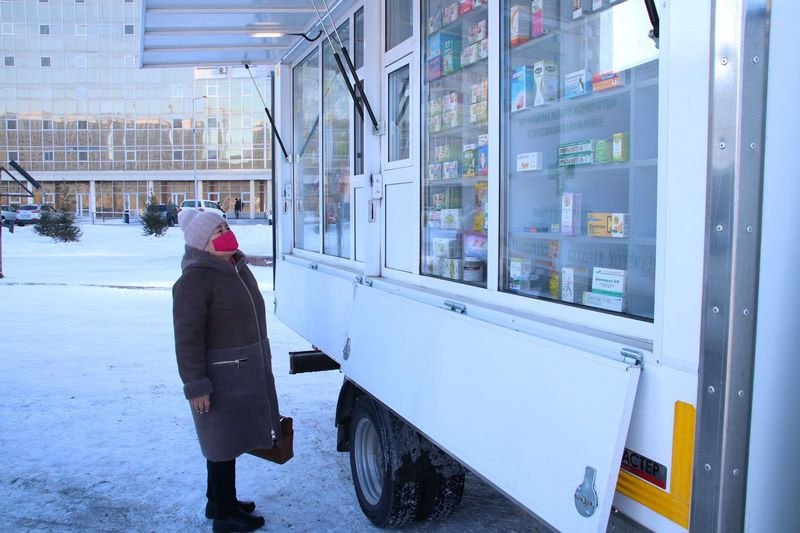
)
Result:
{"points": [[183, 33]]}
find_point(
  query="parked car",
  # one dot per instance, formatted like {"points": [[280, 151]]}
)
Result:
{"points": [[203, 205], [31, 214], [169, 212], [8, 215]]}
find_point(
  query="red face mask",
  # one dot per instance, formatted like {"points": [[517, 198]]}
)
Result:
{"points": [[226, 242]]}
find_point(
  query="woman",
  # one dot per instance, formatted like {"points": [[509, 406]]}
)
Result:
{"points": [[224, 361]]}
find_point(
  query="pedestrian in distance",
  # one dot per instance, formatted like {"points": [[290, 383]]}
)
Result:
{"points": [[237, 207], [224, 361]]}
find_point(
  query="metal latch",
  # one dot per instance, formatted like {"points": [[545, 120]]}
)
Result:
{"points": [[375, 195], [632, 357], [585, 494]]}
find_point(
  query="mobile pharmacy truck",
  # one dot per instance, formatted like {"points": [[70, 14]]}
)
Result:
{"points": [[546, 242]]}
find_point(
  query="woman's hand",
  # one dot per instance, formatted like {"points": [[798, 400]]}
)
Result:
{"points": [[201, 404]]}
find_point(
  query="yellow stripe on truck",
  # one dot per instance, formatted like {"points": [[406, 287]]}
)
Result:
{"points": [[675, 504]]}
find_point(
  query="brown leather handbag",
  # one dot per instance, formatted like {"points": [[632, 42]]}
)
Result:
{"points": [[284, 452]]}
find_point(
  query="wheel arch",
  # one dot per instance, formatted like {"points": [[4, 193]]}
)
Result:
{"points": [[348, 395]]}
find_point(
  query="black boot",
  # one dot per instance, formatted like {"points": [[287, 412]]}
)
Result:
{"points": [[247, 507], [238, 521]]}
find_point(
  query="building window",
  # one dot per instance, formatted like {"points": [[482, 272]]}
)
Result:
{"points": [[44, 29], [212, 155], [130, 155], [47, 124], [45, 61], [11, 124], [83, 125], [47, 156], [8, 28], [80, 61], [80, 29], [247, 122], [177, 155], [212, 122], [129, 61], [9, 61], [83, 155], [13, 156], [212, 90], [177, 123], [128, 29]]}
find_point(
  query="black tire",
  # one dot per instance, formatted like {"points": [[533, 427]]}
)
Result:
{"points": [[440, 495], [382, 450]]}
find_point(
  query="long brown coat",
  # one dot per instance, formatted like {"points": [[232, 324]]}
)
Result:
{"points": [[223, 350]]}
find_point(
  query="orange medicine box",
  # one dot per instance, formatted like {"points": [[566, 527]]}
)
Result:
{"points": [[607, 225]]}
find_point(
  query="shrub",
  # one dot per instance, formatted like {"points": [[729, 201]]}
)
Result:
{"points": [[152, 221], [59, 226]]}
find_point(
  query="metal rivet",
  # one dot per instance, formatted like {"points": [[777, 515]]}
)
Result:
{"points": [[749, 229], [715, 309], [752, 146], [735, 471], [724, 61], [711, 389], [719, 227], [722, 145], [756, 59], [707, 467], [746, 312], [741, 394]]}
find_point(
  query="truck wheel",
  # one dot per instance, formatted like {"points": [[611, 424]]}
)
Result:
{"points": [[381, 449], [442, 484]]}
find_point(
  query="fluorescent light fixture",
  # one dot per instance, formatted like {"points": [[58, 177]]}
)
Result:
{"points": [[272, 34]]}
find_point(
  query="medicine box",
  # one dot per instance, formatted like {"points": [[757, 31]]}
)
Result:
{"points": [[620, 144], [451, 54], [483, 49], [529, 161], [469, 160], [574, 282], [450, 219], [450, 13], [610, 281], [476, 32], [607, 224], [434, 106], [576, 153], [465, 6], [520, 27], [479, 112], [448, 268], [602, 151], [451, 118], [469, 54], [522, 88], [435, 123], [519, 271], [602, 81], [577, 83], [434, 171], [571, 213], [545, 79], [451, 170], [544, 17], [451, 100], [435, 45], [435, 22], [580, 8], [479, 91], [447, 198], [482, 164], [446, 246], [604, 301], [597, 5], [435, 68]]}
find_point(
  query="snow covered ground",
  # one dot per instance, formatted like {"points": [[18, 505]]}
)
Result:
{"points": [[94, 432]]}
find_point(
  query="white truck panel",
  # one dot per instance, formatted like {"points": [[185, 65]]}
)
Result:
{"points": [[487, 394]]}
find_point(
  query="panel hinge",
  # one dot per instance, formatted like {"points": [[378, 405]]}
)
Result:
{"points": [[455, 306], [632, 357]]}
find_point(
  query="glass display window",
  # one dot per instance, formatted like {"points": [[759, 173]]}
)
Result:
{"points": [[580, 141], [455, 116], [307, 147]]}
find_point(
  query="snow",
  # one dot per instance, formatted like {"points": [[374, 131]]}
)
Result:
{"points": [[95, 434]]}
